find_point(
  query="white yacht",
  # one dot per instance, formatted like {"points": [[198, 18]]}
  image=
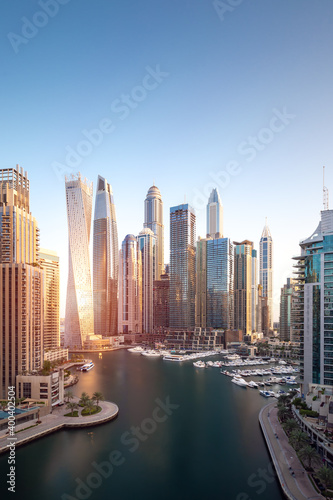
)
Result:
{"points": [[87, 367], [173, 357], [135, 349], [240, 381], [151, 353], [199, 364], [253, 385]]}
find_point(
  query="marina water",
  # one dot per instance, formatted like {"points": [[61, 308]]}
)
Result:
{"points": [[182, 433]]}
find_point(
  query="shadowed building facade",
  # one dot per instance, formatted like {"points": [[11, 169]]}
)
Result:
{"points": [[266, 273], [49, 261], [147, 243], [105, 261], [79, 319], [182, 267]]}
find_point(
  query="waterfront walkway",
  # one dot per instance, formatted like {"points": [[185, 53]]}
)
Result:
{"points": [[56, 421], [293, 478]]}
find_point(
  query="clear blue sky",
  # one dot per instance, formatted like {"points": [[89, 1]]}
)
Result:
{"points": [[223, 78]]}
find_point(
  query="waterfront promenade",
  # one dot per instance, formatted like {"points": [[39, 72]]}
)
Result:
{"points": [[293, 477], [56, 421]]}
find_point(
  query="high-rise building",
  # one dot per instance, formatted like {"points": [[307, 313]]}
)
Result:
{"points": [[21, 281], [182, 267], [153, 219], [49, 262], [266, 270], [285, 310], [312, 315], [254, 292], [214, 215], [105, 261], [243, 285], [147, 243], [161, 303], [79, 320], [214, 283], [130, 287]]}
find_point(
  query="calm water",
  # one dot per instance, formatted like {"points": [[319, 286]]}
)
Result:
{"points": [[209, 447]]}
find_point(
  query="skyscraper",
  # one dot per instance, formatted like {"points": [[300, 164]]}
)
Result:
{"points": [[266, 270], [105, 261], [312, 315], [79, 319], [243, 285], [254, 292], [182, 267], [147, 243], [215, 283], [21, 281], [153, 219], [130, 287], [214, 215], [49, 262], [285, 310], [161, 302]]}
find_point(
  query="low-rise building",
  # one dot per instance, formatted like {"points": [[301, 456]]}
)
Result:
{"points": [[45, 388]]}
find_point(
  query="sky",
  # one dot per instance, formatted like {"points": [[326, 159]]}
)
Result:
{"points": [[187, 94]]}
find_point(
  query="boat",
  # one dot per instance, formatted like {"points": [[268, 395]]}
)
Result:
{"points": [[265, 394], [253, 385], [151, 353], [135, 349], [199, 364], [173, 357], [87, 366], [240, 381]]}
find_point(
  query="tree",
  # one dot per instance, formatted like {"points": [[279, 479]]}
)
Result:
{"points": [[284, 400], [298, 438], [97, 396], [290, 425], [84, 398], [325, 475], [72, 407], [68, 395], [89, 406], [309, 454], [284, 414]]}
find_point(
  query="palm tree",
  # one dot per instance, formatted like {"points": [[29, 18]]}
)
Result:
{"points": [[309, 454], [284, 414], [284, 400], [89, 406], [72, 407], [84, 399], [290, 425], [325, 475], [68, 395], [97, 396], [298, 438]]}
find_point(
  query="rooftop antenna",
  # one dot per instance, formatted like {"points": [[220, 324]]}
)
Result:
{"points": [[325, 192]]}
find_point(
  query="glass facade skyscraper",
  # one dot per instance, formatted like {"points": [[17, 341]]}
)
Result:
{"points": [[285, 310], [79, 319], [153, 219], [215, 283], [130, 287], [105, 261], [182, 267], [266, 271], [312, 312]]}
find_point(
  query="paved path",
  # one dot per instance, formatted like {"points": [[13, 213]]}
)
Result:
{"points": [[297, 486], [55, 421]]}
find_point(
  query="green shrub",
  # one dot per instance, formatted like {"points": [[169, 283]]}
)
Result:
{"points": [[309, 413], [75, 414]]}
